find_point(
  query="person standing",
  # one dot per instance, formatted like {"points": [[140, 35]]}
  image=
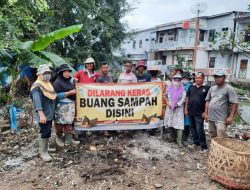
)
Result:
{"points": [[174, 115], [105, 78], [186, 81], [89, 75], [141, 76], [127, 76], [221, 105], [170, 77], [44, 98], [104, 75], [195, 109], [154, 71], [65, 107]]}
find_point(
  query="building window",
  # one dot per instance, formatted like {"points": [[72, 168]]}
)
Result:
{"points": [[134, 44], [161, 37], [152, 39], [171, 38], [140, 44], [202, 35], [146, 39], [211, 62], [211, 35], [190, 62], [224, 29], [247, 36], [243, 69], [170, 32]]}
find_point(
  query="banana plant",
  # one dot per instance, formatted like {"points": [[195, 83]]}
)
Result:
{"points": [[33, 53]]}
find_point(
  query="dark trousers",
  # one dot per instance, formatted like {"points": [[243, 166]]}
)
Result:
{"points": [[198, 132], [45, 129], [186, 133]]}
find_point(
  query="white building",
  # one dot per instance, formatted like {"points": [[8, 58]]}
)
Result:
{"points": [[138, 45], [163, 42]]}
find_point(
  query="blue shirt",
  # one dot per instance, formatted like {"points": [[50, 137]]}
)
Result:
{"points": [[143, 78], [186, 120]]}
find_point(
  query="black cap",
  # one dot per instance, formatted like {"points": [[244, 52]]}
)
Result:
{"points": [[63, 67], [186, 75]]}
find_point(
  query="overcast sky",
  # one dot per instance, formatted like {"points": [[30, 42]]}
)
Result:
{"points": [[149, 13]]}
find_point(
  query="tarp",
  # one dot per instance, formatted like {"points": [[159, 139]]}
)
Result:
{"points": [[13, 118]]}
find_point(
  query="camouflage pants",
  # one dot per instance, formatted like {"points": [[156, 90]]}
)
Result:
{"points": [[65, 113]]}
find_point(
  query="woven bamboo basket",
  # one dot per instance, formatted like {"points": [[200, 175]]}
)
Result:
{"points": [[229, 163]]}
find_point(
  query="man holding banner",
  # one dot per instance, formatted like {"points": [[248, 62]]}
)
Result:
{"points": [[127, 76], [104, 75], [141, 76], [89, 75]]}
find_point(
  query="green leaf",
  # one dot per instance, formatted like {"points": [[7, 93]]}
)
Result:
{"points": [[4, 55], [45, 40], [57, 60], [33, 59], [25, 45]]}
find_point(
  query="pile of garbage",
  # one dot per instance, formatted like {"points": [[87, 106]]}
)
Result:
{"points": [[241, 132], [19, 114]]}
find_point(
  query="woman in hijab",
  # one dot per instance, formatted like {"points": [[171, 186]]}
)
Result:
{"points": [[65, 108], [174, 116]]}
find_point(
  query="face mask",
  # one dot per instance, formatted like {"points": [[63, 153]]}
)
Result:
{"points": [[46, 77], [176, 83], [184, 82]]}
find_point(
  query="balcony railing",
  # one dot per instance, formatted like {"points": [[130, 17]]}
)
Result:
{"points": [[177, 45], [171, 45]]}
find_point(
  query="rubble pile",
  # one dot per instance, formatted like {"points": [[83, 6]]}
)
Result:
{"points": [[123, 160]]}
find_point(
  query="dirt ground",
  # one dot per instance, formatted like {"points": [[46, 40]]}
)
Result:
{"points": [[132, 160]]}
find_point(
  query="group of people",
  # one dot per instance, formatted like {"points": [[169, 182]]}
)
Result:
{"points": [[189, 102]]}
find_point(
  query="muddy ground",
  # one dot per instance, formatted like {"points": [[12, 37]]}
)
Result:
{"points": [[132, 160]]}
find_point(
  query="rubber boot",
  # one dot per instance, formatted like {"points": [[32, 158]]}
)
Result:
{"points": [[43, 149], [179, 137], [69, 140], [172, 134], [49, 148], [59, 140]]}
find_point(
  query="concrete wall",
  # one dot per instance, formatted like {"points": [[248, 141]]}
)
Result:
{"points": [[202, 59], [217, 24], [169, 57], [222, 60]]}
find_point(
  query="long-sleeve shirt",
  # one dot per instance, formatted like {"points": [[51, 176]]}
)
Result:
{"points": [[44, 104]]}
